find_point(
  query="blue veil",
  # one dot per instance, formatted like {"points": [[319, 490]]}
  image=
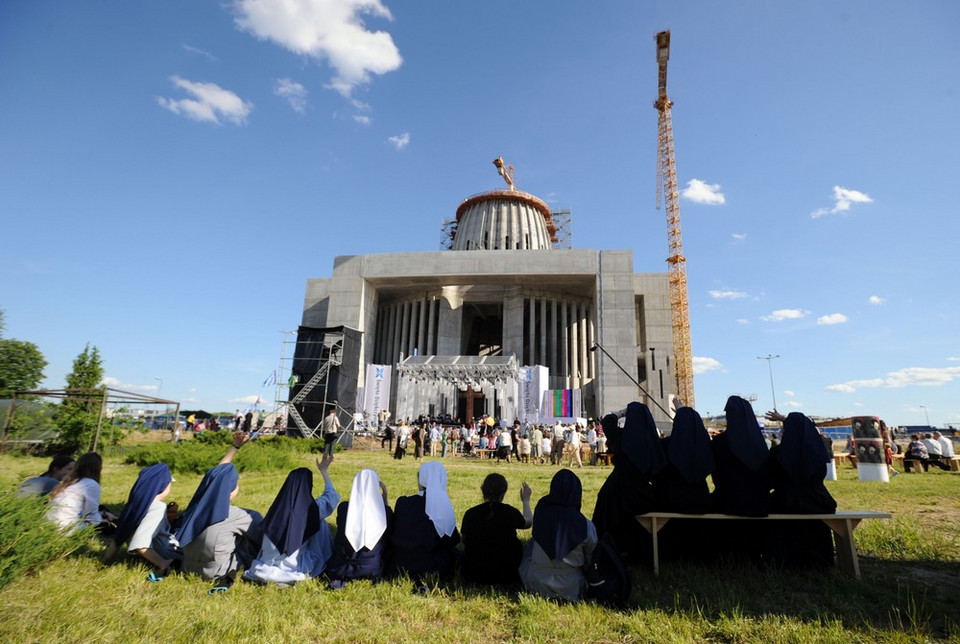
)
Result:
{"points": [[210, 503], [152, 480]]}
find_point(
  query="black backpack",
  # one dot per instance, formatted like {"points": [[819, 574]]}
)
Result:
{"points": [[608, 580]]}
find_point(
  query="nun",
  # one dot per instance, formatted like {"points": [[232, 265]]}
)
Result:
{"points": [[628, 491], [798, 466], [563, 539], [296, 538], [363, 531], [741, 483], [424, 529], [143, 524], [218, 538], [681, 486]]}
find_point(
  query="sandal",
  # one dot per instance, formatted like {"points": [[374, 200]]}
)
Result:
{"points": [[154, 578], [221, 585]]}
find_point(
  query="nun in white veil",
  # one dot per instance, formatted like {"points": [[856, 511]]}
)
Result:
{"points": [[425, 529], [363, 531]]}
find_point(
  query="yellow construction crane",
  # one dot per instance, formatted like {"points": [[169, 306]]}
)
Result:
{"points": [[667, 187]]}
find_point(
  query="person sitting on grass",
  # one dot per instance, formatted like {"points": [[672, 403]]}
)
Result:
{"points": [[75, 502], [492, 551], [143, 522], [296, 539], [42, 485], [363, 531], [217, 537], [425, 529], [563, 539]]}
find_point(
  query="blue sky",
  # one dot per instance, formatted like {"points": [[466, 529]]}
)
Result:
{"points": [[171, 173]]}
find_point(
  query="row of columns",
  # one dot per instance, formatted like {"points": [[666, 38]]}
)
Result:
{"points": [[404, 326], [501, 225], [559, 334]]}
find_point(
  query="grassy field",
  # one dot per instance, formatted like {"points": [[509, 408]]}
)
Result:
{"points": [[909, 590]]}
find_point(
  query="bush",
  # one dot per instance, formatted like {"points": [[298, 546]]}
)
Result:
{"points": [[27, 539], [264, 455]]}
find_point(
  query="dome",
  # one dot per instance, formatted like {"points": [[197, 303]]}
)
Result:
{"points": [[504, 220]]}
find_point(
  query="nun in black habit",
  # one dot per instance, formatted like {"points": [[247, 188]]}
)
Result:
{"points": [[798, 466], [741, 483], [628, 491], [681, 486]]}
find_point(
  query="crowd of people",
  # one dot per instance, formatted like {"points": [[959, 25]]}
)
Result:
{"points": [[579, 442], [419, 536]]}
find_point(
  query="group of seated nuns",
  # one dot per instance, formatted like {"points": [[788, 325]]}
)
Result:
{"points": [[670, 475], [215, 539]]}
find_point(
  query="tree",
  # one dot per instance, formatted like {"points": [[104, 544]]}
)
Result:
{"points": [[21, 366], [80, 408]]}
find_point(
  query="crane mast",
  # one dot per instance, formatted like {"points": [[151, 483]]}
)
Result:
{"points": [[667, 186]]}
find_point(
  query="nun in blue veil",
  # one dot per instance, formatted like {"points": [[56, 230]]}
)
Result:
{"points": [[798, 466], [218, 538], [143, 523], [296, 539], [563, 539], [638, 458]]}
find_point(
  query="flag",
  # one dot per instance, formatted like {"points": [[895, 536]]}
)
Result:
{"points": [[270, 380]]}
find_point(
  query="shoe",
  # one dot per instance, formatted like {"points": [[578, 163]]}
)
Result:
{"points": [[221, 585], [895, 473], [154, 578]]}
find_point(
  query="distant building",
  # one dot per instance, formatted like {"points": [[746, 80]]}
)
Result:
{"points": [[458, 326]]}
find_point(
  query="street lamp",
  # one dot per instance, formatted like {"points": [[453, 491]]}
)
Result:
{"points": [[769, 358], [159, 387], [926, 413]]}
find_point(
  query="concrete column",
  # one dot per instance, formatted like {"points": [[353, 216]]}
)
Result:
{"points": [[422, 331], [531, 332], [513, 322], [554, 341], [431, 348], [449, 322], [405, 328], [565, 343], [392, 335], [542, 359]]}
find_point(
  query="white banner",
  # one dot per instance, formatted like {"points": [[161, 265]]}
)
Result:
{"points": [[532, 384], [376, 390]]}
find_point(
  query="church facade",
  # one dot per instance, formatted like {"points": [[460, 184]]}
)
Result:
{"points": [[458, 327]]}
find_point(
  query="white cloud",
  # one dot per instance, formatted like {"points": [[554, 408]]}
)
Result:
{"points": [[951, 359], [843, 198], [703, 365], [400, 141], [794, 404], [727, 295], [846, 389], [743, 321], [210, 103], [701, 192], [876, 299], [361, 119], [833, 318], [330, 30], [116, 383], [788, 392], [908, 377], [205, 54], [248, 400], [294, 93], [785, 314], [739, 236]]}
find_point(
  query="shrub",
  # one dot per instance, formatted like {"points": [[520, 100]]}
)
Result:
{"points": [[27, 539], [264, 455]]}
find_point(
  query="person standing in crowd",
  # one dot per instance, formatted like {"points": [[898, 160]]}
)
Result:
{"points": [[563, 539], [591, 440], [536, 444], [60, 467], [363, 532], [330, 426], [248, 421], [557, 446], [403, 435], [434, 439], [492, 551], [296, 539], [573, 446]]}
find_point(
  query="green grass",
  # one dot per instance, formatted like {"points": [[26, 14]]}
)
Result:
{"points": [[910, 569]]}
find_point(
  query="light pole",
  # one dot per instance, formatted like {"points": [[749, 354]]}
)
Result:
{"points": [[769, 358], [159, 387], [926, 413]]}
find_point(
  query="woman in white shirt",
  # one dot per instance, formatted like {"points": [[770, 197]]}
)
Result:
{"points": [[75, 503]]}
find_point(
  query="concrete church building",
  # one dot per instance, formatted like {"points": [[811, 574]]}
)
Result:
{"points": [[460, 328]]}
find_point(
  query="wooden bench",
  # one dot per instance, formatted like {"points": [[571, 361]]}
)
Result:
{"points": [[485, 453], [604, 458], [843, 523]]}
